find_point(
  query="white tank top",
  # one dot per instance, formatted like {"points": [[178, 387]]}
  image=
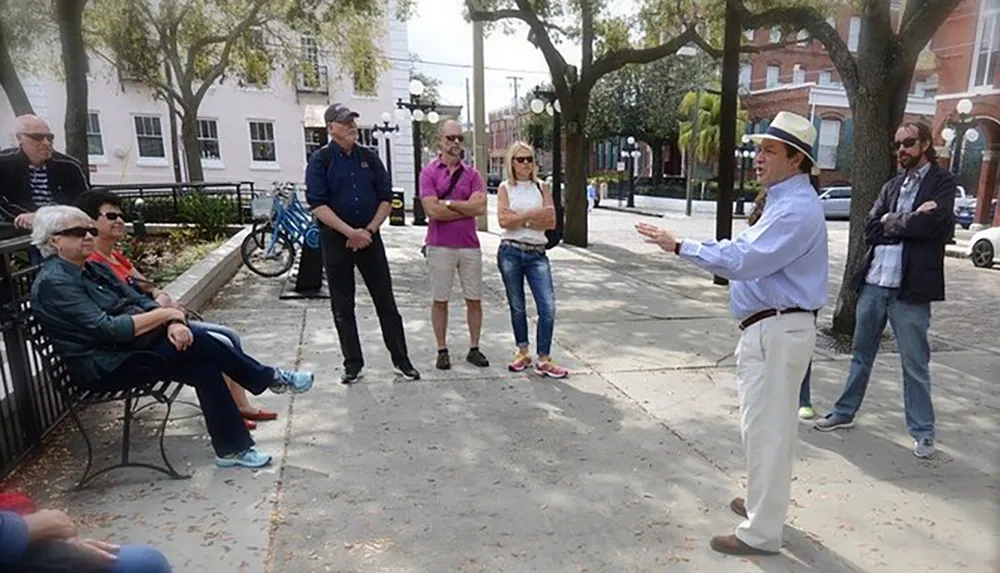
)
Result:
{"points": [[524, 196]]}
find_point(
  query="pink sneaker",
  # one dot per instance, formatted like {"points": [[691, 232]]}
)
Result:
{"points": [[550, 369], [520, 363]]}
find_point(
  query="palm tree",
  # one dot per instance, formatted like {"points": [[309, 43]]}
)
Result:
{"points": [[710, 110]]}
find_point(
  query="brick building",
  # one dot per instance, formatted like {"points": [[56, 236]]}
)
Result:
{"points": [[802, 79], [505, 126], [972, 71]]}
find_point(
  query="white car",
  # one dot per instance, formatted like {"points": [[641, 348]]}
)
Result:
{"points": [[984, 246], [836, 202]]}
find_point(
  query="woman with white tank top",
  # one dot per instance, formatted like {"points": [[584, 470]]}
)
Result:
{"points": [[526, 211]]}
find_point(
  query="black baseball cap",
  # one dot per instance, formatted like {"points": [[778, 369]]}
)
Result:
{"points": [[338, 113]]}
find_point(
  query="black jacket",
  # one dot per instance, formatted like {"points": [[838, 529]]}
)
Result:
{"points": [[66, 179], [923, 235]]}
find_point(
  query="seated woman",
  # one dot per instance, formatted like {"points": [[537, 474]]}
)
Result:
{"points": [[104, 208], [111, 337]]}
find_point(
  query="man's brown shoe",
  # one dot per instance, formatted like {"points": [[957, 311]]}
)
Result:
{"points": [[731, 545], [739, 507]]}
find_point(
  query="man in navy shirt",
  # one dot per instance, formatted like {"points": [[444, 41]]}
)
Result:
{"points": [[348, 189]]}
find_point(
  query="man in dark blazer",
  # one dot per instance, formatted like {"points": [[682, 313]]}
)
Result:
{"points": [[903, 272]]}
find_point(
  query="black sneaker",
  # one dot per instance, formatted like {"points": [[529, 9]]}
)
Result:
{"points": [[406, 370], [476, 358], [443, 360], [351, 375]]}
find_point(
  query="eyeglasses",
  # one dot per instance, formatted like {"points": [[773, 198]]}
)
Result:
{"points": [[908, 142], [78, 232], [455, 138], [526, 159], [50, 137], [113, 216]]}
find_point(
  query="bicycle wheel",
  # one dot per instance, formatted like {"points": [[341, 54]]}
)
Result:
{"points": [[266, 254]]}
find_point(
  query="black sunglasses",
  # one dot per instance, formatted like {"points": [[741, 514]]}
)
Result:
{"points": [[78, 232], [454, 138], [113, 216], [50, 137], [908, 142], [527, 159]]}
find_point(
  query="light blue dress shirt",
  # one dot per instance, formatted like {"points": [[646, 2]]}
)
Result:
{"points": [[781, 262], [887, 264]]}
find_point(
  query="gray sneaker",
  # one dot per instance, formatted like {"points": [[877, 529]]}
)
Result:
{"points": [[923, 448], [832, 422]]}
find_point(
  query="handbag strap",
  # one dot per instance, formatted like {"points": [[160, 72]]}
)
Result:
{"points": [[454, 181]]}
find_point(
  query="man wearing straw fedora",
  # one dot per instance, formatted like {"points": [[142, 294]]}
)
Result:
{"points": [[779, 270]]}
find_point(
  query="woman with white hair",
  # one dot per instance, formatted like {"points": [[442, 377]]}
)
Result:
{"points": [[525, 211], [111, 337]]}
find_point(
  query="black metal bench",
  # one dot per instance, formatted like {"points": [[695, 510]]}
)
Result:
{"points": [[160, 391]]}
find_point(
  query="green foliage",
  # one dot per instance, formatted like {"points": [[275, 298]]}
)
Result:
{"points": [[709, 125], [209, 215], [24, 28], [538, 128]]}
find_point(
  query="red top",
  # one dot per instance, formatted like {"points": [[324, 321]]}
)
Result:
{"points": [[118, 262]]}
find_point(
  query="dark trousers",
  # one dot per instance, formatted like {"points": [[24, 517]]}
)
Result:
{"points": [[202, 366], [340, 262]]}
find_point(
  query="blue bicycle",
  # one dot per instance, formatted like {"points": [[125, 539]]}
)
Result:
{"points": [[280, 223]]}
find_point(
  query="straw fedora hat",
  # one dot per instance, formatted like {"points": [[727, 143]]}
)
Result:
{"points": [[794, 130]]}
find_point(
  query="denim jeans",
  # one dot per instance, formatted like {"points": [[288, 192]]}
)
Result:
{"points": [[910, 322], [58, 555], [516, 266], [221, 333], [202, 366], [805, 397]]}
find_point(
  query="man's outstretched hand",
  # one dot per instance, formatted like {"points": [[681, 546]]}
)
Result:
{"points": [[667, 240]]}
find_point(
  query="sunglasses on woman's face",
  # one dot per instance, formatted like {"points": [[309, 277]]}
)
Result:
{"points": [[78, 232], [527, 159], [113, 216]]}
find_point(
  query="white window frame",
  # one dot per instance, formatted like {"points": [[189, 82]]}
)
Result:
{"points": [[829, 138], [777, 77], [209, 162], [798, 74], [101, 158], [257, 39], [854, 33], [257, 165], [985, 12], [150, 161], [826, 78], [746, 75], [775, 35], [803, 39]]}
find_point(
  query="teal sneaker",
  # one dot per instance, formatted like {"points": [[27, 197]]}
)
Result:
{"points": [[298, 382], [250, 458]]}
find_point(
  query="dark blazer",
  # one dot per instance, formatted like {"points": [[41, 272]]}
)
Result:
{"points": [[66, 179], [923, 235]]}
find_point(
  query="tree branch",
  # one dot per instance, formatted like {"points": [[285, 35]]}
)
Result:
{"points": [[617, 59], [920, 21], [496, 15]]}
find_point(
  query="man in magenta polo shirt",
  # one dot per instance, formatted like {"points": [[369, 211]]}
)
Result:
{"points": [[453, 195]]}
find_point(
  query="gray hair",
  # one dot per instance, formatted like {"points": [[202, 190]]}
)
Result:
{"points": [[51, 220], [22, 122]]}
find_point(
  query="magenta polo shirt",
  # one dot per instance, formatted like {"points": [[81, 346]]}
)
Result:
{"points": [[434, 181]]}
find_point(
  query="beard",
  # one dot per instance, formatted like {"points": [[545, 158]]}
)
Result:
{"points": [[909, 161]]}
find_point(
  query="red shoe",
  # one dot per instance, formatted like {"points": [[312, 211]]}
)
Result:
{"points": [[260, 415], [250, 424]]}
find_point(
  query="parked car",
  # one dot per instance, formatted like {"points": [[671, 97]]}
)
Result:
{"points": [[983, 247], [836, 202], [965, 208], [492, 183]]}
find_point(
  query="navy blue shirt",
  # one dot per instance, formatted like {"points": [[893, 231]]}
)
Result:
{"points": [[353, 185]]}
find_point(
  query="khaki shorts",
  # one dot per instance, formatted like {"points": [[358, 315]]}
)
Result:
{"points": [[442, 262]]}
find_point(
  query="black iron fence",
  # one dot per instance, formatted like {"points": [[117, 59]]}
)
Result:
{"points": [[193, 203], [30, 404]]}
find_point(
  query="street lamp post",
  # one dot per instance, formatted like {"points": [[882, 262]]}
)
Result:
{"points": [[960, 126], [744, 154], [547, 101], [630, 153], [416, 111], [385, 131]]}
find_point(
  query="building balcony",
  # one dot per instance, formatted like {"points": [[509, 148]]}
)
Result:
{"points": [[313, 79]]}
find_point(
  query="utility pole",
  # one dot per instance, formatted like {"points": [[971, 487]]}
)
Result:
{"points": [[479, 89], [468, 106], [692, 149], [517, 102]]}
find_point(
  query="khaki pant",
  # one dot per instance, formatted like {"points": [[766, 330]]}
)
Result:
{"points": [[442, 264], [771, 358]]}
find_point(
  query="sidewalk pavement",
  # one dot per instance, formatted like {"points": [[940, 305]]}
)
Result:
{"points": [[628, 465]]}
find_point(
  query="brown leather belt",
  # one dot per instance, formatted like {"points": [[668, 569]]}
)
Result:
{"points": [[755, 318]]}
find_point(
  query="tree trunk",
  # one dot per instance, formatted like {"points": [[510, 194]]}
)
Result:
{"points": [[575, 186], [69, 15], [10, 82], [657, 162], [192, 149], [873, 165]]}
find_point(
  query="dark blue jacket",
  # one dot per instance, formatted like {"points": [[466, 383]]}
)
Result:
{"points": [[352, 184]]}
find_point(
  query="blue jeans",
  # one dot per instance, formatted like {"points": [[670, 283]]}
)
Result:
{"points": [[910, 322], [516, 266], [221, 333], [140, 559], [58, 555], [805, 398]]}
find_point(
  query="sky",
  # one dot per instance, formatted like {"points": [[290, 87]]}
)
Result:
{"points": [[439, 34]]}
